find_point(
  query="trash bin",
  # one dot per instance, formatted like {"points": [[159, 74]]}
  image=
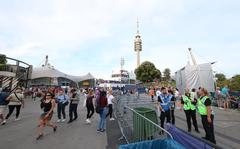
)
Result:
{"points": [[143, 129]]}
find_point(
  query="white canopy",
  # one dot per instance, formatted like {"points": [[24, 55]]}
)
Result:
{"points": [[45, 71]]}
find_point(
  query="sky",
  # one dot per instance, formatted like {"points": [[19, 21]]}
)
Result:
{"points": [[92, 35]]}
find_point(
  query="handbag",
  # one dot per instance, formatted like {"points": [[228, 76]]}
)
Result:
{"points": [[18, 98], [98, 108], [67, 102]]}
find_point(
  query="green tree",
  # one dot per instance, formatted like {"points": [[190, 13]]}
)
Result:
{"points": [[220, 77], [234, 83], [147, 72], [167, 74], [3, 59]]}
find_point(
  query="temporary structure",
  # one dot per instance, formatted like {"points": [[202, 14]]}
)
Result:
{"points": [[195, 76]]}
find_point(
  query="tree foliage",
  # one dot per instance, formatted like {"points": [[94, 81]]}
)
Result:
{"points": [[3, 59], [234, 83], [167, 74], [220, 77], [147, 72]]}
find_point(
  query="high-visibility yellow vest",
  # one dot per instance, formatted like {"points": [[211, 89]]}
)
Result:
{"points": [[188, 103], [202, 109]]}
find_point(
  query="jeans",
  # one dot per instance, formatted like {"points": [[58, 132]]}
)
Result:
{"points": [[61, 110], [11, 109], [102, 121], [110, 110], [90, 108], [73, 110]]}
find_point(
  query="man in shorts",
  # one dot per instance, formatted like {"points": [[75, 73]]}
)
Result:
{"points": [[225, 94]]}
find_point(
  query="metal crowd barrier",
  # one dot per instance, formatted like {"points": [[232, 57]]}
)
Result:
{"points": [[135, 126]]}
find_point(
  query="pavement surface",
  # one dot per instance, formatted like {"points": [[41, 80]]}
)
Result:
{"points": [[226, 125], [77, 135]]}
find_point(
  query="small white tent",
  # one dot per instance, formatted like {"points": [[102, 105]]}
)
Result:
{"points": [[195, 76]]}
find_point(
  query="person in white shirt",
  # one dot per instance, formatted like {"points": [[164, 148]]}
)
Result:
{"points": [[110, 98], [158, 93]]}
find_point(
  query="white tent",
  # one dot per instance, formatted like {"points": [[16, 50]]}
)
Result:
{"points": [[195, 76], [42, 72]]}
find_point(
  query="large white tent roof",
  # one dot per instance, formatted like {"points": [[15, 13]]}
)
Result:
{"points": [[50, 72]]}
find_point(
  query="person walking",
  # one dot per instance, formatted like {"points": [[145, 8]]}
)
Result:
{"points": [[152, 94], [226, 97], [3, 105], [110, 98], [206, 112], [103, 110], [164, 105], [15, 101], [89, 106], [62, 102], [47, 105], [218, 97], [189, 105], [74, 100]]}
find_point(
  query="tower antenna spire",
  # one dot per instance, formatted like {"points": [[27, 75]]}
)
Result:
{"points": [[137, 26]]}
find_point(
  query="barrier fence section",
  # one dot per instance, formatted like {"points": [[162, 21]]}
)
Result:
{"points": [[137, 119]]}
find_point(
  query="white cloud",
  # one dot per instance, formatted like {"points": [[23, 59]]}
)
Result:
{"points": [[64, 28]]}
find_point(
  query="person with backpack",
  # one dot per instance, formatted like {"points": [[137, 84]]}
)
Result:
{"points": [[62, 102], [47, 105], [15, 101], [74, 100], [102, 109], [3, 105], [89, 105]]}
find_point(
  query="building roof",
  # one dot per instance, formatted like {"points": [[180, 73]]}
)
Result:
{"points": [[46, 71]]}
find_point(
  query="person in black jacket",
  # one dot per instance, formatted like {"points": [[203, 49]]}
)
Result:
{"points": [[74, 100]]}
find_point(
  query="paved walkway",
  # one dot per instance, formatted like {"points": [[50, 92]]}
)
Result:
{"points": [[226, 123], [78, 135]]}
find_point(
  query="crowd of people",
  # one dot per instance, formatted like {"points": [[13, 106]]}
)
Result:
{"points": [[100, 101], [94, 100], [191, 102]]}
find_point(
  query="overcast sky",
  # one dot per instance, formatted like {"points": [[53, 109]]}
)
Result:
{"points": [[92, 35]]}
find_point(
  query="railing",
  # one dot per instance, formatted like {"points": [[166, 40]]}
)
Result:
{"points": [[135, 126], [13, 74]]}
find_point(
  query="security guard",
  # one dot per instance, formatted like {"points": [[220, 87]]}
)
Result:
{"points": [[164, 105], [189, 106], [205, 110]]}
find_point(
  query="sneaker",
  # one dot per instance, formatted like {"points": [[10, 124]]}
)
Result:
{"points": [[63, 120], [112, 119], [88, 121], [3, 122], [103, 130], [58, 121], [99, 130], [55, 129], [70, 121], [39, 136], [17, 119]]}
